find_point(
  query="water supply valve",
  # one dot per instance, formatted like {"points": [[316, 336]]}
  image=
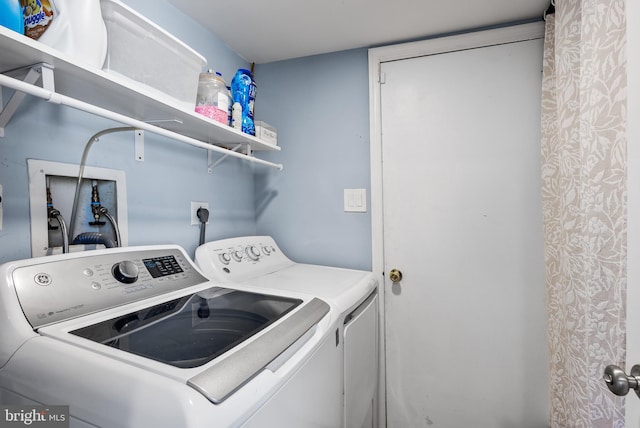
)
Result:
{"points": [[95, 206], [51, 211]]}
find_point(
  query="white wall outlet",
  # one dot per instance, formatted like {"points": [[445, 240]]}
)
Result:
{"points": [[195, 221], [355, 200]]}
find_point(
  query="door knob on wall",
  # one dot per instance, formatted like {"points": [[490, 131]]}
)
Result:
{"points": [[618, 381], [395, 275]]}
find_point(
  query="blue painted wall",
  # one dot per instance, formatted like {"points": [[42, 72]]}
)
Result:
{"points": [[320, 106], [159, 189]]}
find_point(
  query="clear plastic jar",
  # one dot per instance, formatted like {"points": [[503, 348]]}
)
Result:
{"points": [[213, 99]]}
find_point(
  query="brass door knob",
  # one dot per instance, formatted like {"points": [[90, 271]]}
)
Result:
{"points": [[395, 275]]}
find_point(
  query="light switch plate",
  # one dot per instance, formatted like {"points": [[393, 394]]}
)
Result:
{"points": [[355, 200]]}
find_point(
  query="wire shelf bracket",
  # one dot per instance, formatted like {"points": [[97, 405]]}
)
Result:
{"points": [[32, 74]]}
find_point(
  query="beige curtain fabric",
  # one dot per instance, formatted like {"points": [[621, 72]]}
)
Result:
{"points": [[584, 203]]}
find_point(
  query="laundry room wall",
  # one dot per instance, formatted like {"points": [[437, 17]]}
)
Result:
{"points": [[320, 106], [159, 189]]}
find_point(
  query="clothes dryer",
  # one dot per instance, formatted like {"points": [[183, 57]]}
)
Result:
{"points": [[256, 262]]}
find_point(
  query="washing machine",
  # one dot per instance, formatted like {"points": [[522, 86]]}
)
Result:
{"points": [[138, 337], [257, 263]]}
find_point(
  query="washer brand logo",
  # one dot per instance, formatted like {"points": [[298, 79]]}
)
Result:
{"points": [[34, 416]]}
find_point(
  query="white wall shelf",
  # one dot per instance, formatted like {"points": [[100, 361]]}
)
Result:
{"points": [[108, 95]]}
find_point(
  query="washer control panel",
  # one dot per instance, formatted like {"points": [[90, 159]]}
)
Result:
{"points": [[236, 259], [81, 283]]}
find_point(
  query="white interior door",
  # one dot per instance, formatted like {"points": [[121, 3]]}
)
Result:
{"points": [[466, 326], [632, 404]]}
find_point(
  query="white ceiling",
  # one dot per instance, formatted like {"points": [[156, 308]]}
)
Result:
{"points": [[266, 31]]}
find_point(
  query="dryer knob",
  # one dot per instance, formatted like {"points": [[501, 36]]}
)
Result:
{"points": [[125, 272], [253, 252], [225, 258]]}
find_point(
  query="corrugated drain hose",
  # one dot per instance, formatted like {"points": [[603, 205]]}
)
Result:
{"points": [[94, 238]]}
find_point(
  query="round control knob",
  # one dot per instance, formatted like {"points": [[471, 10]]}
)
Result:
{"points": [[253, 252], [237, 255], [266, 250], [125, 272], [225, 258]]}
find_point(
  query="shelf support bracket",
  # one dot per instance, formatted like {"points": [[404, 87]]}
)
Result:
{"points": [[34, 73], [138, 137], [210, 162]]}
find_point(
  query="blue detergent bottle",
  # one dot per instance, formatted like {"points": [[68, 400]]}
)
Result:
{"points": [[243, 94], [11, 15]]}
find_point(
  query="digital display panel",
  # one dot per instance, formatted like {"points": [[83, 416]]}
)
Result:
{"points": [[162, 266]]}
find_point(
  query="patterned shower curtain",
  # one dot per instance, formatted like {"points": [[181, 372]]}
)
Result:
{"points": [[584, 203]]}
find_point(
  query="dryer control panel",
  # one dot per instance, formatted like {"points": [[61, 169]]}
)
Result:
{"points": [[56, 289], [238, 259]]}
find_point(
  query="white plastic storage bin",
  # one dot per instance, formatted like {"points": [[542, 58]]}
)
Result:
{"points": [[140, 50]]}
